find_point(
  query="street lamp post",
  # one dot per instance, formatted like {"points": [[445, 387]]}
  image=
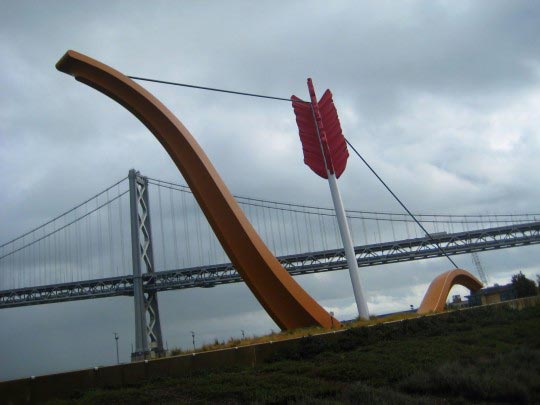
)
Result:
{"points": [[117, 356], [193, 338]]}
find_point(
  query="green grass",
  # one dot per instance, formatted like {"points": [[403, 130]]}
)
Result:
{"points": [[483, 356]]}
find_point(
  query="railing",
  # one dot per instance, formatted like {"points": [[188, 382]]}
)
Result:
{"points": [[305, 263]]}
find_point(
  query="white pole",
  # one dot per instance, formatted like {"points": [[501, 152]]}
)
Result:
{"points": [[359, 296], [361, 304]]}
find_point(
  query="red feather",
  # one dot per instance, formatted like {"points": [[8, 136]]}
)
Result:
{"points": [[331, 139]]}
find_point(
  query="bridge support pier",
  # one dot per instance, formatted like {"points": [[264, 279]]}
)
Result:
{"points": [[148, 338]]}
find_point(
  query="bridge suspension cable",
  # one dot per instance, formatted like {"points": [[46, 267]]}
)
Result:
{"points": [[383, 216], [91, 241], [87, 241], [64, 213]]}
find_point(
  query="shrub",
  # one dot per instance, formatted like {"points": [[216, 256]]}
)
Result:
{"points": [[360, 393], [510, 377], [523, 286]]}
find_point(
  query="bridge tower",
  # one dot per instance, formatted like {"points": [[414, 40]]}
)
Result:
{"points": [[148, 338]]}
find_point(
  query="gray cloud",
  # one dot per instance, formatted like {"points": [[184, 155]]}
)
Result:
{"points": [[442, 98]]}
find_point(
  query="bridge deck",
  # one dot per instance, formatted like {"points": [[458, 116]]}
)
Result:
{"points": [[304, 263]]}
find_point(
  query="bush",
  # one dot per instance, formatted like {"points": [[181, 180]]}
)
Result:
{"points": [[510, 377], [524, 287], [360, 393]]}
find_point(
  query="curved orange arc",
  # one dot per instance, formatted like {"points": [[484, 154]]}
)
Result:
{"points": [[437, 293], [282, 297]]}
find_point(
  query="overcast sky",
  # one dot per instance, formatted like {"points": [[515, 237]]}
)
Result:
{"points": [[441, 97]]}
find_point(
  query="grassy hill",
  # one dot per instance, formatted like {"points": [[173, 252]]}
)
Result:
{"points": [[489, 354]]}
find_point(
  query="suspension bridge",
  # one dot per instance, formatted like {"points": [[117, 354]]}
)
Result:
{"points": [[113, 244]]}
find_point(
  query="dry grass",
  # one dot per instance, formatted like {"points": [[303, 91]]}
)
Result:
{"points": [[294, 333]]}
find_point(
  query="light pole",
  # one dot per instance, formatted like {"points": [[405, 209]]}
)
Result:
{"points": [[243, 334], [193, 338], [117, 356]]}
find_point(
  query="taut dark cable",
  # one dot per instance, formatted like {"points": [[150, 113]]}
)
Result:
{"points": [[191, 86], [400, 203], [240, 93]]}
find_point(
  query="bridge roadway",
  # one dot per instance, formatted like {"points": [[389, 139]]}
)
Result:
{"points": [[305, 263]]}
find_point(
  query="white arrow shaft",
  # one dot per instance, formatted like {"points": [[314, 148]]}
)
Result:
{"points": [[359, 296]]}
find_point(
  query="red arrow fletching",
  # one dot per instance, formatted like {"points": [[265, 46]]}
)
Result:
{"points": [[311, 145], [334, 135], [333, 141]]}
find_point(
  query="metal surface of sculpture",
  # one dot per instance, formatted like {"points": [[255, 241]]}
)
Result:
{"points": [[281, 296], [435, 298], [325, 152]]}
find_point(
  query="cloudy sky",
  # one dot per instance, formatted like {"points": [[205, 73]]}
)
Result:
{"points": [[442, 97]]}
